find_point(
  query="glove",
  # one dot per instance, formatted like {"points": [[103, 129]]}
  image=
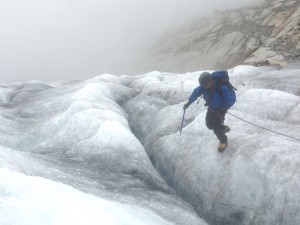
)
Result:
{"points": [[186, 105]]}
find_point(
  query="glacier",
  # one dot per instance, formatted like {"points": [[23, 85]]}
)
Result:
{"points": [[108, 151]]}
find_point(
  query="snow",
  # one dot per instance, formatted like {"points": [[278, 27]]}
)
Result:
{"points": [[256, 181], [108, 151], [68, 156], [34, 201]]}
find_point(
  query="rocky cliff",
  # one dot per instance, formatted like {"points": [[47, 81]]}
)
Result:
{"points": [[261, 35]]}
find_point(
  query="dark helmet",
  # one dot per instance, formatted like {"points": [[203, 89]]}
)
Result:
{"points": [[204, 78]]}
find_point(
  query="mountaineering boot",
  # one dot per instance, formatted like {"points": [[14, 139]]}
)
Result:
{"points": [[222, 147], [226, 129]]}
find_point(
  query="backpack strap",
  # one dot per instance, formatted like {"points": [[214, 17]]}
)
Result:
{"points": [[211, 92], [219, 88], [231, 86]]}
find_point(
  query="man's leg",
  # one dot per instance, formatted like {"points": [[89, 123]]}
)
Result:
{"points": [[214, 121], [219, 127], [209, 119]]}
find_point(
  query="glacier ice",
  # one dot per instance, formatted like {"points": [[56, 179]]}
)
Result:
{"points": [[257, 179], [63, 136], [28, 200], [112, 144]]}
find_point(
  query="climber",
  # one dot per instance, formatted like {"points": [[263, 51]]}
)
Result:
{"points": [[219, 96]]}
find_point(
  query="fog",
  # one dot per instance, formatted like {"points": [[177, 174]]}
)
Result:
{"points": [[78, 39]]}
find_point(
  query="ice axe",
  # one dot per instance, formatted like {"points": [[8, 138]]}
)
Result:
{"points": [[182, 121]]}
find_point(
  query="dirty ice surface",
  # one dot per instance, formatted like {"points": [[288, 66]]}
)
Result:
{"points": [[108, 151]]}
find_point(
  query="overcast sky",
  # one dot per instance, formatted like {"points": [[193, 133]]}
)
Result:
{"points": [[79, 39]]}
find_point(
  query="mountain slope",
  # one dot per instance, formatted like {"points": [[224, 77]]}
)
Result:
{"points": [[268, 34]]}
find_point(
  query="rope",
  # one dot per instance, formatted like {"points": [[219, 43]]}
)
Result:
{"points": [[263, 127]]}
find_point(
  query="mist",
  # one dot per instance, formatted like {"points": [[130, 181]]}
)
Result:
{"points": [[79, 39]]}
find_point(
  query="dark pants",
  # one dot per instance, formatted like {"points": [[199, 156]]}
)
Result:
{"points": [[214, 121]]}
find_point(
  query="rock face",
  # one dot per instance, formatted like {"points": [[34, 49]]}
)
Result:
{"points": [[264, 35]]}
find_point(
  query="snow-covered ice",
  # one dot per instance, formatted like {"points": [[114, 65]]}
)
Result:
{"points": [[257, 179], [108, 151], [28, 200], [68, 156]]}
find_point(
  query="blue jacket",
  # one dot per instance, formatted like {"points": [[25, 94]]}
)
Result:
{"points": [[217, 101]]}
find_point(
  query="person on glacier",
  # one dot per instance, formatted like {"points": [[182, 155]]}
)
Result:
{"points": [[219, 97]]}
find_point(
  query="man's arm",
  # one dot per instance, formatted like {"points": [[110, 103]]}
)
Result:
{"points": [[196, 94]]}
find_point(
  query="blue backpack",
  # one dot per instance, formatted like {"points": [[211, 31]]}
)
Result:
{"points": [[221, 77]]}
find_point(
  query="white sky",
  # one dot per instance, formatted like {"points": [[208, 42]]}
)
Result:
{"points": [[78, 39]]}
